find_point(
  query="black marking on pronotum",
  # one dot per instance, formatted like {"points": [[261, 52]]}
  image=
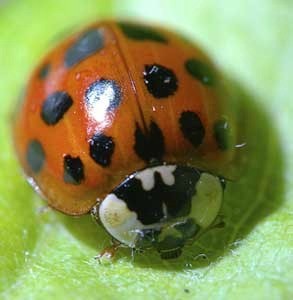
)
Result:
{"points": [[149, 145], [140, 32], [222, 134], [73, 169], [55, 106], [148, 205], [87, 44], [192, 127], [103, 93], [101, 149], [200, 71], [35, 155], [44, 71], [160, 81], [185, 183]]}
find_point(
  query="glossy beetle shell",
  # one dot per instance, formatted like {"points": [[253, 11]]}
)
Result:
{"points": [[113, 99]]}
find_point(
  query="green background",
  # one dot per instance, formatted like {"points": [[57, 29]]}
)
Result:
{"points": [[46, 254]]}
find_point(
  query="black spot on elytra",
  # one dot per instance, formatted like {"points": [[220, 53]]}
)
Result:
{"points": [[103, 95], [148, 204], [35, 155], [44, 71], [87, 44], [192, 127], [222, 134], [101, 149], [149, 145], [55, 106], [140, 32], [200, 71], [160, 81], [73, 169]]}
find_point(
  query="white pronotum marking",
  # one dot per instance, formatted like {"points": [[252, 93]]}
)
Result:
{"points": [[118, 220], [207, 200], [147, 176]]}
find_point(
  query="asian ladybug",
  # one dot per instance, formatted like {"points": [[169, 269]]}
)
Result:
{"points": [[131, 123]]}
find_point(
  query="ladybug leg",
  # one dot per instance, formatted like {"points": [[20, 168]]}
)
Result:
{"points": [[134, 251], [108, 253]]}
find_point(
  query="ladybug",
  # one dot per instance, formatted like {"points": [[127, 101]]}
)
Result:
{"points": [[131, 123]]}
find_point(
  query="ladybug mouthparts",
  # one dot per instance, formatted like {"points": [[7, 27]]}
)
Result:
{"points": [[163, 207]]}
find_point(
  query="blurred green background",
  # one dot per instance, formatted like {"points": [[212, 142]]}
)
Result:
{"points": [[46, 255]]}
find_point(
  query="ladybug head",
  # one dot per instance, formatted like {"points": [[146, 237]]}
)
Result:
{"points": [[162, 206]]}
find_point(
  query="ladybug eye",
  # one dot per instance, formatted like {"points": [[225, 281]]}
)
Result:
{"points": [[161, 207]]}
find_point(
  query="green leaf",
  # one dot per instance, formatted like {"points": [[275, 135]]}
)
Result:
{"points": [[47, 254]]}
